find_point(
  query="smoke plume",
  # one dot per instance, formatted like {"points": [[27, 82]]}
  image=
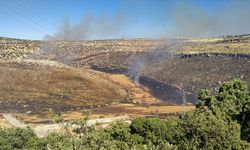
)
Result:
{"points": [[191, 20], [180, 19], [164, 51], [165, 18], [90, 27]]}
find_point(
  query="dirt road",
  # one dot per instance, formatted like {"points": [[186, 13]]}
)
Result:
{"points": [[44, 130], [14, 122]]}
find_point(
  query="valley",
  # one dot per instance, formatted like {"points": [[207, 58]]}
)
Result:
{"points": [[106, 78]]}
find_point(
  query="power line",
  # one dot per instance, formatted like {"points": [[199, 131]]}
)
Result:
{"points": [[35, 14], [28, 19], [17, 20]]}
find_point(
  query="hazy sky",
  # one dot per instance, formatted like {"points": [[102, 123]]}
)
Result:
{"points": [[98, 19]]}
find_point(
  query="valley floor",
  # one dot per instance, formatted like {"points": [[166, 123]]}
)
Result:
{"points": [[142, 103]]}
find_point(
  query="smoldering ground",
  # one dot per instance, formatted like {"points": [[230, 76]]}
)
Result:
{"points": [[163, 51]]}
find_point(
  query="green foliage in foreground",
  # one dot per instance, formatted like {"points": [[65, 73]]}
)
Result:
{"points": [[220, 122], [231, 104]]}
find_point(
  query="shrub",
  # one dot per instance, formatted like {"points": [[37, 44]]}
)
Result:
{"points": [[207, 131], [150, 129], [231, 103], [15, 138]]}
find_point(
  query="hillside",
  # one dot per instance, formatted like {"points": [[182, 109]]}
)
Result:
{"points": [[196, 73], [227, 45], [17, 49], [39, 86], [59, 74]]}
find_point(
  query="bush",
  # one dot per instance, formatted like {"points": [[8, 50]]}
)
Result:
{"points": [[16, 138], [58, 141], [207, 131], [120, 131], [231, 103], [98, 139], [151, 130]]}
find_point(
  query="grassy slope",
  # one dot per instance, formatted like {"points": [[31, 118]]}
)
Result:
{"points": [[38, 87]]}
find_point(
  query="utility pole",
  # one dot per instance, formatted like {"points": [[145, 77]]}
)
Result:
{"points": [[184, 100], [183, 95]]}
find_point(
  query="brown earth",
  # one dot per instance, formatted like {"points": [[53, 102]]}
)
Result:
{"points": [[145, 104], [137, 92], [43, 86], [200, 73], [38, 87], [118, 109]]}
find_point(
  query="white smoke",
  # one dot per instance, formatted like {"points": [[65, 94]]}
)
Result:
{"points": [[191, 20], [165, 50]]}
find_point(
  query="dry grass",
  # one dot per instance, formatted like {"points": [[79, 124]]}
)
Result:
{"points": [[137, 92], [37, 88], [133, 109], [4, 123], [148, 105], [217, 45], [109, 111]]}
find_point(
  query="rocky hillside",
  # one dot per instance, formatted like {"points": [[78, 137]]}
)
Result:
{"points": [[16, 49]]}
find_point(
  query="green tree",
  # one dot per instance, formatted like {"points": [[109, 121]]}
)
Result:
{"points": [[244, 119], [120, 131], [150, 129], [231, 103], [57, 141], [15, 138], [207, 131]]}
